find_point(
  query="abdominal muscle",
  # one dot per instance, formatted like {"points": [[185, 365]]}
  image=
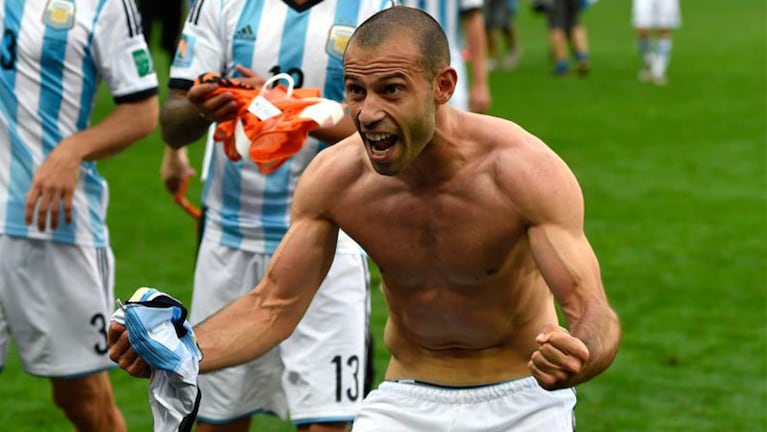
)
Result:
{"points": [[465, 335]]}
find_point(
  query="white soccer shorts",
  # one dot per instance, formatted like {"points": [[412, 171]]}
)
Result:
{"points": [[317, 374], [656, 14], [520, 405], [55, 302]]}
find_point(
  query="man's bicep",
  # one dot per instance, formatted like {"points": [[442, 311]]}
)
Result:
{"points": [[302, 260], [310, 242]]}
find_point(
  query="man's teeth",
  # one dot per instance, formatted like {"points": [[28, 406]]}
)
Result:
{"points": [[377, 137]]}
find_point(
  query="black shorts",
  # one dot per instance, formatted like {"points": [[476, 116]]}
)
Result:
{"points": [[497, 14], [564, 14]]}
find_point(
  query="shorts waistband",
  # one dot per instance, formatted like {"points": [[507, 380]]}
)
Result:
{"points": [[460, 394]]}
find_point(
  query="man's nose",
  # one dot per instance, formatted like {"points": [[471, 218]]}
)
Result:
{"points": [[370, 112]]}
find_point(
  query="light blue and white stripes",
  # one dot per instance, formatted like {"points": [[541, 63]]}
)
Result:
{"points": [[52, 60], [246, 209]]}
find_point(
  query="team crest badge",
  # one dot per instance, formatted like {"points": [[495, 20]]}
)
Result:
{"points": [[59, 14], [185, 51], [338, 38]]}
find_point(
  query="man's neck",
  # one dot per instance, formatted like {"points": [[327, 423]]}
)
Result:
{"points": [[444, 156]]}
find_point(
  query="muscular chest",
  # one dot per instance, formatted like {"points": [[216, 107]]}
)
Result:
{"points": [[461, 236]]}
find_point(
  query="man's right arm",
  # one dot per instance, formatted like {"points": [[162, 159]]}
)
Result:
{"points": [[261, 319], [181, 121]]}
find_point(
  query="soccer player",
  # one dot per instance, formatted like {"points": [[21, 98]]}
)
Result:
{"points": [[565, 28], [658, 19], [464, 24], [500, 30], [477, 227], [316, 375], [56, 265]]}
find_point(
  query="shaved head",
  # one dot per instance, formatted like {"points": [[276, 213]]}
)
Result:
{"points": [[425, 32]]}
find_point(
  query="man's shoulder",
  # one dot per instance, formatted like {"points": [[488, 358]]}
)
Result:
{"points": [[330, 176], [497, 134], [340, 162], [518, 153]]}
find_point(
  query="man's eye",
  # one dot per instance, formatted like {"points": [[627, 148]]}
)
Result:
{"points": [[392, 90], [353, 90]]}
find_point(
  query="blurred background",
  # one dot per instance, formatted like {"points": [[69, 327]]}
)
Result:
{"points": [[676, 199]]}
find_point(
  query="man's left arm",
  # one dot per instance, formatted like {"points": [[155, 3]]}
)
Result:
{"points": [[571, 270]]}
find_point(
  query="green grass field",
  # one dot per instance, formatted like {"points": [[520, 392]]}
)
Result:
{"points": [[676, 197]]}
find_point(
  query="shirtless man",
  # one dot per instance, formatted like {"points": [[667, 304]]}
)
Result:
{"points": [[476, 226]]}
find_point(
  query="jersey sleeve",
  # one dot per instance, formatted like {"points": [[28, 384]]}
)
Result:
{"points": [[121, 53], [202, 46]]}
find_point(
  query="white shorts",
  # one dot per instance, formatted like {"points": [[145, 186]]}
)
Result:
{"points": [[520, 405], [55, 302], [656, 14], [317, 373]]}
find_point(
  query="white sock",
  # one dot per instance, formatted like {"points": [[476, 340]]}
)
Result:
{"points": [[662, 56]]}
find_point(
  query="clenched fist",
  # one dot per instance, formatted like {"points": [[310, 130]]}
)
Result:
{"points": [[559, 360]]}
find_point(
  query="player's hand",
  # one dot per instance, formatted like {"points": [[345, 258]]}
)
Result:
{"points": [[560, 358], [212, 107], [120, 352], [479, 98], [250, 77], [175, 168], [53, 187]]}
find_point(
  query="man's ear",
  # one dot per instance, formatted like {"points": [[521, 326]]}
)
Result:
{"points": [[444, 84]]}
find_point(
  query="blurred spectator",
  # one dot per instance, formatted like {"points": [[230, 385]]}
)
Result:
{"points": [[655, 18], [169, 13], [501, 33], [564, 27]]}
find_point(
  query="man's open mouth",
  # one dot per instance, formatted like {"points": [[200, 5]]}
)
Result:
{"points": [[380, 143]]}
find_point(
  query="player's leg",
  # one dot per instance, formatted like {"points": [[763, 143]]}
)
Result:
{"points": [[576, 35], [581, 48], [642, 20], [645, 54], [241, 425], [325, 356], [558, 36], [661, 58], [57, 299], [493, 52], [509, 29], [88, 403], [668, 18], [324, 427], [493, 22]]}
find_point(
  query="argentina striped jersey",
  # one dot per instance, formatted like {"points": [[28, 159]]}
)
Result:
{"points": [[448, 14], [246, 209], [53, 55]]}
